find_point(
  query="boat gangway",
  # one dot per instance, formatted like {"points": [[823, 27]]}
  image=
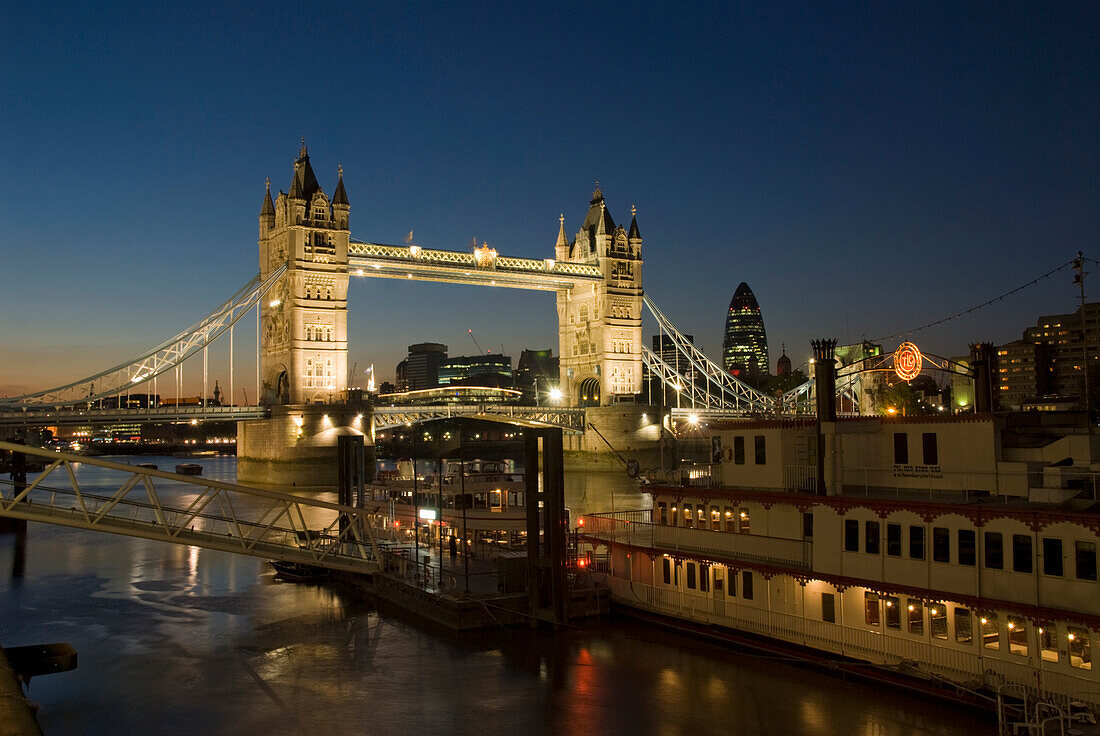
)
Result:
{"points": [[168, 507]]}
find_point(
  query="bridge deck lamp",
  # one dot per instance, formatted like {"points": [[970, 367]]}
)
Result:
{"points": [[555, 394]]}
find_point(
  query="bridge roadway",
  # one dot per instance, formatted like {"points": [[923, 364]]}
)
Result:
{"points": [[180, 509], [568, 418]]}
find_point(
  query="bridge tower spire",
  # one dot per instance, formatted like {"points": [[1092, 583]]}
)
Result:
{"points": [[600, 326], [303, 344]]}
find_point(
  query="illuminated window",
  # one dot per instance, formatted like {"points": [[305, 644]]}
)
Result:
{"points": [[915, 617], [937, 620], [662, 513], [731, 520], [1080, 653], [872, 614], [1017, 635], [1048, 643], [715, 518], [964, 632], [743, 521], [893, 612], [991, 631]]}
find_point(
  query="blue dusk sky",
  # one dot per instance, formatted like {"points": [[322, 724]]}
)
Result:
{"points": [[866, 167]]}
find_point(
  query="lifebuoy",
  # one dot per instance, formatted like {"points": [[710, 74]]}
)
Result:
{"points": [[452, 583]]}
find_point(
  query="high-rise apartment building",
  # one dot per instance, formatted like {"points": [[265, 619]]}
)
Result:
{"points": [[420, 369]]}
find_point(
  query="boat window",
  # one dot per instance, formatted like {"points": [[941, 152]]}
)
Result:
{"points": [[893, 540], [937, 620], [731, 589], [715, 518], [964, 633], [743, 521], [851, 535], [731, 520], [687, 514], [662, 513], [1085, 560], [1080, 654], [991, 631], [872, 536], [514, 498], [701, 516], [807, 525], [704, 578], [691, 575], [1017, 635], [666, 570], [871, 613], [495, 499], [931, 451], [746, 585], [738, 450], [1021, 553], [916, 616], [916, 542], [828, 608], [994, 551], [967, 547], [1052, 556], [759, 441], [1048, 643], [941, 544], [893, 613], [901, 448]]}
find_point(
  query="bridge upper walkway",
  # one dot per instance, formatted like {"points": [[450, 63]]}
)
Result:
{"points": [[482, 267], [167, 507]]}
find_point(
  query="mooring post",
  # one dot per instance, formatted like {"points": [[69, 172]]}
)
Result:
{"points": [[531, 445], [349, 479]]}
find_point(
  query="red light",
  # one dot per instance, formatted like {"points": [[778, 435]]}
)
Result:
{"points": [[580, 521], [582, 562]]}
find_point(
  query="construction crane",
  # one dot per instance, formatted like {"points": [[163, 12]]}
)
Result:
{"points": [[471, 333]]}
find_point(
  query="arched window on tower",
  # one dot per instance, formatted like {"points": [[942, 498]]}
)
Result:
{"points": [[584, 313]]}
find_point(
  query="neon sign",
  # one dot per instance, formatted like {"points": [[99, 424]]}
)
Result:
{"points": [[907, 361]]}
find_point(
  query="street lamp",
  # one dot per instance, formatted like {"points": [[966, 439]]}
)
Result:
{"points": [[555, 395]]}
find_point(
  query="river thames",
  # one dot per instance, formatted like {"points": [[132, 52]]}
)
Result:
{"points": [[180, 640]]}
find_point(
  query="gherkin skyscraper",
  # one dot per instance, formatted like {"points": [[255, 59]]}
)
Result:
{"points": [[745, 347]]}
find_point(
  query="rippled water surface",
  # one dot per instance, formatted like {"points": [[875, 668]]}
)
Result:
{"points": [[178, 640]]}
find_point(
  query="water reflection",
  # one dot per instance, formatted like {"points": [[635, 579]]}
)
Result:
{"points": [[180, 640]]}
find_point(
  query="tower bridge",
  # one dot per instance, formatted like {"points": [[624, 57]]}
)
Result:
{"points": [[300, 299]]}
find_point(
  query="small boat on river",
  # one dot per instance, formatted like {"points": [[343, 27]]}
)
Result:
{"points": [[189, 469], [298, 572]]}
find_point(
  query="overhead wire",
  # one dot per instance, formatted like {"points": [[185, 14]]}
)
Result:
{"points": [[984, 304]]}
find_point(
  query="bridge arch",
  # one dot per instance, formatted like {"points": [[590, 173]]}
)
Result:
{"points": [[588, 392]]}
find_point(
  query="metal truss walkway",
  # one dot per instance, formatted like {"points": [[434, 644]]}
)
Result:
{"points": [[167, 507], [68, 415], [570, 419]]}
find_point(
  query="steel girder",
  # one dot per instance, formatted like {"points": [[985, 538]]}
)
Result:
{"points": [[194, 511], [745, 398], [162, 358], [568, 418]]}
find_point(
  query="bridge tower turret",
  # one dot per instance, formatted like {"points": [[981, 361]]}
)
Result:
{"points": [[600, 326], [303, 344]]}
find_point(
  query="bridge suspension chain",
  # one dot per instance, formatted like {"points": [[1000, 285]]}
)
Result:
{"points": [[164, 357]]}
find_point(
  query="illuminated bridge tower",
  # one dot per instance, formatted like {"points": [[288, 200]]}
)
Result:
{"points": [[304, 323], [600, 325]]}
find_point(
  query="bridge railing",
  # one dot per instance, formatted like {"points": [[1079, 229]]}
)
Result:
{"points": [[169, 507], [73, 415]]}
